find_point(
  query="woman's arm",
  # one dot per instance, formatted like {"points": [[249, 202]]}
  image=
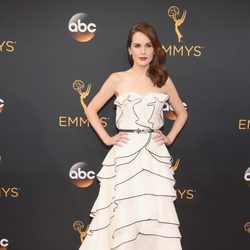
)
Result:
{"points": [[180, 112], [107, 90]]}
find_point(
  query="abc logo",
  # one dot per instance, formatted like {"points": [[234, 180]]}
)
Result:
{"points": [[1, 105], [81, 176], [170, 114], [247, 177], [4, 243], [247, 227], [80, 29]]}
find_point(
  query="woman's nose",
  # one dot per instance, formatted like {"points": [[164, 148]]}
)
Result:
{"points": [[142, 50]]}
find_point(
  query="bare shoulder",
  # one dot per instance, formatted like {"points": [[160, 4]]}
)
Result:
{"points": [[169, 86], [114, 76], [118, 76], [117, 79], [169, 83], [112, 81], [174, 97]]}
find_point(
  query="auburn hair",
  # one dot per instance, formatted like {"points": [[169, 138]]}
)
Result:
{"points": [[156, 71]]}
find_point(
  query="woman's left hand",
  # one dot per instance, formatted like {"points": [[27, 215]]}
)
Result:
{"points": [[159, 137]]}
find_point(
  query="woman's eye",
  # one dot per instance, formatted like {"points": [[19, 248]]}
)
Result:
{"points": [[149, 45], [137, 45]]}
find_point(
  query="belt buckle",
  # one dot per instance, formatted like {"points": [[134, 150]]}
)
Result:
{"points": [[144, 131], [138, 131]]}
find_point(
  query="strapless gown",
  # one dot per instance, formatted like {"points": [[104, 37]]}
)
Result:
{"points": [[134, 209]]}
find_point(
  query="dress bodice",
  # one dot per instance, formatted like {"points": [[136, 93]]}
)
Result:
{"points": [[137, 111]]}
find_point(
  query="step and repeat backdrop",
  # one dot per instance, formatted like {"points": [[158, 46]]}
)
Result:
{"points": [[54, 57]]}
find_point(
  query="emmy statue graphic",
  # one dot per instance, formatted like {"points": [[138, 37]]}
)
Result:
{"points": [[79, 227], [173, 12], [176, 165], [78, 86]]}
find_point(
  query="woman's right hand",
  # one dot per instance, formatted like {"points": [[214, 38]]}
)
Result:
{"points": [[117, 139]]}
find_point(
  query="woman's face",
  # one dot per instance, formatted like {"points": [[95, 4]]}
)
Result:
{"points": [[141, 49]]}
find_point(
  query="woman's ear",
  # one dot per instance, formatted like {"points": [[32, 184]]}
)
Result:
{"points": [[129, 51]]}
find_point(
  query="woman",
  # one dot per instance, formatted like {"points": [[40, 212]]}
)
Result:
{"points": [[134, 209]]}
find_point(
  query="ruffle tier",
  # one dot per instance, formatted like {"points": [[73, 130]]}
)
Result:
{"points": [[135, 205]]}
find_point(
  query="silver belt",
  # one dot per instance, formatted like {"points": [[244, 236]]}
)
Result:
{"points": [[138, 130]]}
